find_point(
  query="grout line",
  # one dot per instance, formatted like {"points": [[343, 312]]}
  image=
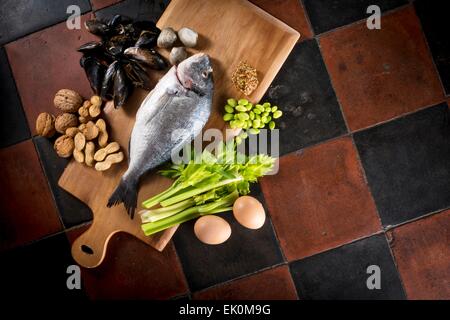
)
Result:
{"points": [[242, 277], [347, 127], [308, 21], [388, 242], [177, 257], [49, 185], [423, 216]]}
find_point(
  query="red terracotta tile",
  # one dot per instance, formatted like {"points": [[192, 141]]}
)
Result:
{"points": [[28, 211], [290, 12], [421, 249], [319, 199], [133, 270], [99, 4], [273, 284], [46, 61], [381, 74]]}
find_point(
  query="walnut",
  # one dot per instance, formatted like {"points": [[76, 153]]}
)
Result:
{"points": [[65, 121], [90, 131], [45, 125], [64, 146], [68, 100]]}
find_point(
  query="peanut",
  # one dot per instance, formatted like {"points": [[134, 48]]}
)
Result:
{"points": [[80, 141], [103, 134], [71, 132], [84, 119], [94, 110], [101, 154], [109, 161], [78, 155], [90, 131], [89, 153]]}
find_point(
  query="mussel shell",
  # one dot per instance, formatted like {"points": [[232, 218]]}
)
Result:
{"points": [[97, 27], [95, 71], [138, 75], [108, 81], [90, 47], [118, 19], [147, 39], [148, 57], [122, 87]]}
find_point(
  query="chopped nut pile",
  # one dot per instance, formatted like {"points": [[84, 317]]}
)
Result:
{"points": [[84, 135], [245, 78]]}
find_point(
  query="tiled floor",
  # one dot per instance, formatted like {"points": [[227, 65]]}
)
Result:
{"points": [[364, 175]]}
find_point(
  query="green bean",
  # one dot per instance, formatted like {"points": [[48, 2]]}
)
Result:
{"points": [[256, 123], [274, 108], [243, 102], [227, 116], [243, 135], [241, 108], [266, 104], [277, 114], [272, 125], [229, 109], [238, 140], [253, 131], [249, 106], [256, 110], [233, 124], [266, 113], [243, 116], [264, 119], [232, 102], [252, 115]]}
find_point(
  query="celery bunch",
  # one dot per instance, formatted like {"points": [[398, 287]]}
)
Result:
{"points": [[208, 184]]}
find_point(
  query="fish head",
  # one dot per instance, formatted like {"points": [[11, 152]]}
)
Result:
{"points": [[195, 73]]}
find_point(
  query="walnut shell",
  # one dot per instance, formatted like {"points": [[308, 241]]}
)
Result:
{"points": [[45, 125], [64, 146], [65, 121], [68, 100]]}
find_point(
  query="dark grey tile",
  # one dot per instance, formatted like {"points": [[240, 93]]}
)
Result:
{"points": [[342, 273], [38, 271], [136, 9], [407, 164], [434, 18], [246, 251], [22, 17], [329, 14], [72, 210], [302, 90], [13, 124]]}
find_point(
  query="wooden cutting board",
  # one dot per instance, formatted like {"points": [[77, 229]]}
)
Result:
{"points": [[229, 31]]}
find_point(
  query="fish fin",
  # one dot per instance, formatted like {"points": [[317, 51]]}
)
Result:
{"points": [[125, 192]]}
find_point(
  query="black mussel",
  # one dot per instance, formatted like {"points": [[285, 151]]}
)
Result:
{"points": [[97, 27], [138, 75], [117, 44], [90, 47], [108, 81], [147, 39], [118, 19], [149, 57], [122, 87], [95, 71]]}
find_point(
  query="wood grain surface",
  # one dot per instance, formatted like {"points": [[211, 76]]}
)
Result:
{"points": [[229, 31]]}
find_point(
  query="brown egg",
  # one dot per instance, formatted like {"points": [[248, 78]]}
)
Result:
{"points": [[212, 229], [249, 212]]}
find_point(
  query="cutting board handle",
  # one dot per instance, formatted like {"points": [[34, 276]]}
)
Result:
{"points": [[89, 249]]}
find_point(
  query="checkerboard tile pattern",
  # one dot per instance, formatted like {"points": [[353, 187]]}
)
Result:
{"points": [[364, 168]]}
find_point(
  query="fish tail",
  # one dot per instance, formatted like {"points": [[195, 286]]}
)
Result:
{"points": [[125, 192]]}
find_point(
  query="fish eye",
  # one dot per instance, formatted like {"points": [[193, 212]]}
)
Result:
{"points": [[205, 74]]}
